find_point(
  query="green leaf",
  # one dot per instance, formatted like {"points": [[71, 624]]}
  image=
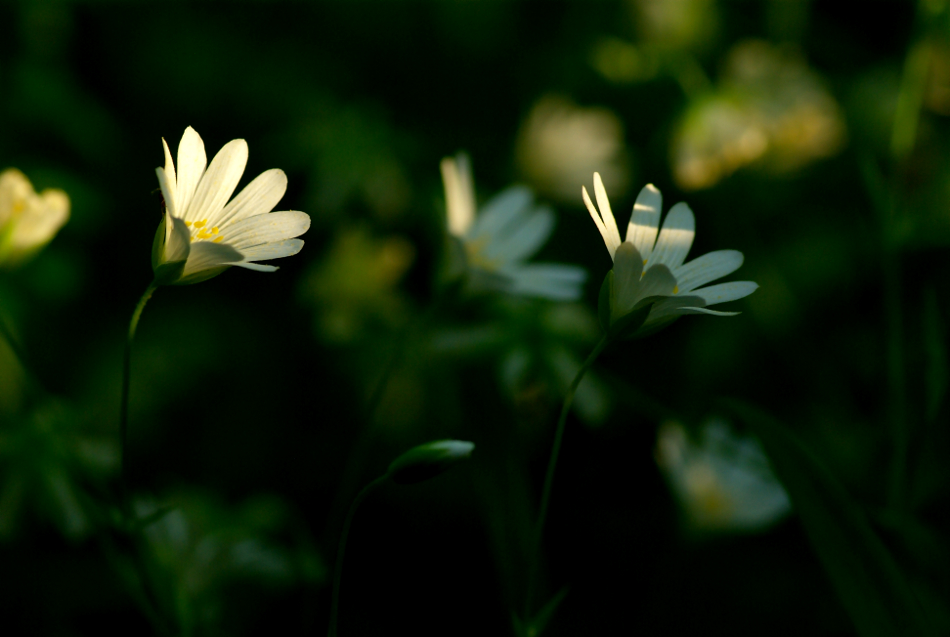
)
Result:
{"points": [[936, 375], [863, 572], [517, 625], [537, 625], [603, 302]]}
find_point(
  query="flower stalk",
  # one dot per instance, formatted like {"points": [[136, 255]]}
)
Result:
{"points": [[341, 549], [534, 558], [126, 379]]}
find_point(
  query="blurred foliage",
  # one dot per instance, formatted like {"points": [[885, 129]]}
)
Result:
{"points": [[816, 143]]}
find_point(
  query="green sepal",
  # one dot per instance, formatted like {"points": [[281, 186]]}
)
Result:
{"points": [[629, 324], [169, 273], [454, 270], [603, 302], [158, 243], [429, 460]]}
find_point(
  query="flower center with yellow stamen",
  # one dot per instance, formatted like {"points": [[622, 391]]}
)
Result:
{"points": [[474, 253], [199, 231]]}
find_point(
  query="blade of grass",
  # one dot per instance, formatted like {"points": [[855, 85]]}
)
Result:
{"points": [[868, 581]]}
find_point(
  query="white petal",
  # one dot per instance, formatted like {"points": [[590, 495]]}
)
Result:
{"points": [[500, 211], [260, 229], [601, 222], [610, 223], [459, 194], [628, 266], [703, 310], [547, 280], [191, 166], [257, 266], [258, 197], [522, 238], [275, 250], [218, 183], [168, 182], [725, 292], [206, 256], [675, 239], [674, 306], [645, 220], [597, 220], [709, 267]]}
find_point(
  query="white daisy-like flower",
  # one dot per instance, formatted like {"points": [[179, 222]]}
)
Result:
{"points": [[28, 220], [202, 234], [650, 263], [507, 230]]}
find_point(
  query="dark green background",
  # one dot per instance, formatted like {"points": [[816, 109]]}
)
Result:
{"points": [[236, 393]]}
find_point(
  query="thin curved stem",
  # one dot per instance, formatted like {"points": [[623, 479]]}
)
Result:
{"points": [[338, 567], [126, 379], [535, 557], [359, 453]]}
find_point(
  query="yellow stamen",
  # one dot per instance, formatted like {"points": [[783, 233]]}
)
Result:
{"points": [[187, 224], [676, 289], [217, 239], [201, 224], [214, 230], [204, 235]]}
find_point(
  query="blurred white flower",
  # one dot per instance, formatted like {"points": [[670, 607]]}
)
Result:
{"points": [[560, 143], [28, 221], [508, 230], [647, 265], [202, 234], [723, 482]]}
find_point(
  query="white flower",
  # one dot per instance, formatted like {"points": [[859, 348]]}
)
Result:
{"points": [[647, 265], [508, 230], [722, 483], [202, 234], [28, 221], [561, 143]]}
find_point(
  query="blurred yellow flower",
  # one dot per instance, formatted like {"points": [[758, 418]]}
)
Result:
{"points": [[769, 109], [28, 221], [355, 286], [650, 263], [202, 234], [509, 229]]}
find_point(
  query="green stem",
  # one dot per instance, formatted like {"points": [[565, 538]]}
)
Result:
{"points": [[126, 378], [535, 557], [903, 137], [356, 460], [32, 381], [338, 567]]}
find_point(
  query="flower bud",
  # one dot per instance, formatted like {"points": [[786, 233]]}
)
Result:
{"points": [[429, 460]]}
